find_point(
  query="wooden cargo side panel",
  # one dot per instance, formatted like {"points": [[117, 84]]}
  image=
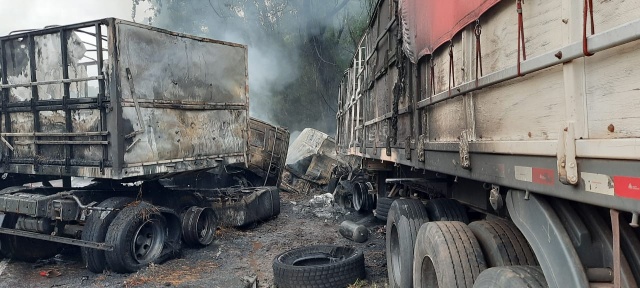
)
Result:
{"points": [[610, 14], [441, 70], [446, 120], [529, 108], [542, 21], [613, 92]]}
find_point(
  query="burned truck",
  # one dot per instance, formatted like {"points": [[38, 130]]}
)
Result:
{"points": [[142, 112]]}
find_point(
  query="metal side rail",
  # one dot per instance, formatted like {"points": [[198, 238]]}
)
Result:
{"points": [[58, 239]]}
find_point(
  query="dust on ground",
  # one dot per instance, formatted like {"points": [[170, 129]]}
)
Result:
{"points": [[236, 259]]}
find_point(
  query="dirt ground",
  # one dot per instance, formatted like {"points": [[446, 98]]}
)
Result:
{"points": [[236, 259]]}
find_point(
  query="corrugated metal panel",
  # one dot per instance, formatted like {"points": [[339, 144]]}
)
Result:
{"points": [[427, 24]]}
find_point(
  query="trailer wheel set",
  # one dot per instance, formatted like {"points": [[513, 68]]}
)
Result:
{"points": [[446, 252]]}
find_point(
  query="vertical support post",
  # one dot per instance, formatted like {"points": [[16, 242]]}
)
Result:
{"points": [[615, 229], [65, 99], [574, 78], [34, 100], [66, 181], [101, 93], [5, 99], [114, 119]]}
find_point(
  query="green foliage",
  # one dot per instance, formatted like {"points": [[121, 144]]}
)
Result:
{"points": [[298, 49]]}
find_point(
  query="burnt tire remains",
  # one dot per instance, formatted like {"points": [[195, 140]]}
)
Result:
{"points": [[446, 255], [318, 266], [403, 222], [382, 207], [502, 243], [95, 230], [137, 234], [511, 276], [199, 226], [444, 209]]}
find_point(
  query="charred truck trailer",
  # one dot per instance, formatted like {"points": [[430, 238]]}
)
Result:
{"points": [[501, 139], [158, 119]]}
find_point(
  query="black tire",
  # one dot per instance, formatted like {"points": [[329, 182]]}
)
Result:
{"points": [[95, 230], [444, 209], [382, 207], [502, 243], [511, 276], [446, 255], [403, 222], [128, 225], [25, 249], [318, 266]]}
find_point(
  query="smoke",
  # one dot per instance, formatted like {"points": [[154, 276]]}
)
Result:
{"points": [[282, 36]]}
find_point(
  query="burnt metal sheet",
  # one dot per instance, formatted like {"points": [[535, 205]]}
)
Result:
{"points": [[267, 150], [150, 102]]}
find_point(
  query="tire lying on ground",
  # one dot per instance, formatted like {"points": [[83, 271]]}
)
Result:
{"points": [[446, 255], [318, 266], [403, 222], [137, 234], [502, 243], [382, 207], [511, 276], [444, 209]]}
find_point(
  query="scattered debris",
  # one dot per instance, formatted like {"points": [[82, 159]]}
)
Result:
{"points": [[52, 273], [311, 161], [55, 260], [251, 281], [320, 201]]}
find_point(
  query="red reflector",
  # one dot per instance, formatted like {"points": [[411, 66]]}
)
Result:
{"points": [[543, 176], [628, 187]]}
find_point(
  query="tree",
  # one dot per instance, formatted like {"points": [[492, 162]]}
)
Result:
{"points": [[298, 49]]}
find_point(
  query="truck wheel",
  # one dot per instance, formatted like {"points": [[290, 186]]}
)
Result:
{"points": [[382, 207], [318, 266], [95, 230], [25, 249], [502, 243], [137, 234], [446, 255], [511, 276], [199, 226], [444, 209], [403, 222]]}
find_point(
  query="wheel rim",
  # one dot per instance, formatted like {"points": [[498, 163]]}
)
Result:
{"points": [[148, 241], [205, 229], [428, 276], [395, 253]]}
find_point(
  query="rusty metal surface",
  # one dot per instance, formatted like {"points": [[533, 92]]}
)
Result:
{"points": [[161, 102]]}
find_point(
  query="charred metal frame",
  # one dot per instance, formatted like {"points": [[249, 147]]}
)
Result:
{"points": [[66, 104], [108, 104]]}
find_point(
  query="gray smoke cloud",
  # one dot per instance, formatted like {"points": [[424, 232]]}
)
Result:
{"points": [[273, 30]]}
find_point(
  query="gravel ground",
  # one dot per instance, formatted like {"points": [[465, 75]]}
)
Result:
{"points": [[236, 258]]}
